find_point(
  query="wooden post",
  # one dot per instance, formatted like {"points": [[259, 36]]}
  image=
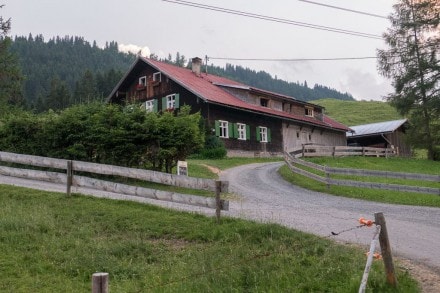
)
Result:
{"points": [[369, 260], [69, 175], [386, 249], [327, 177], [334, 151], [218, 203], [100, 283], [363, 151], [303, 150]]}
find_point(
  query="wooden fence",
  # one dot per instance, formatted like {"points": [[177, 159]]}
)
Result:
{"points": [[69, 179], [339, 151], [291, 160]]}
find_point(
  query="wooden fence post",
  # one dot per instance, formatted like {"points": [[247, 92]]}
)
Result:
{"points": [[303, 150], [100, 283], [386, 249], [218, 203], [69, 174], [327, 177]]}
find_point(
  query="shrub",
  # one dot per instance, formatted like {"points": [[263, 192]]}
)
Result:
{"points": [[214, 148]]}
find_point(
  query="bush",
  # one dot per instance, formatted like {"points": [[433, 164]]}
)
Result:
{"points": [[436, 155], [214, 148], [214, 153]]}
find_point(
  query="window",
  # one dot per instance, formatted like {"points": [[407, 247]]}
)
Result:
{"points": [[170, 102], [157, 76], [223, 129], [263, 134], [264, 102], [241, 131], [149, 106], [143, 81], [309, 111]]}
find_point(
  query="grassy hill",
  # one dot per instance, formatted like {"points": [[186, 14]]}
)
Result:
{"points": [[353, 113]]}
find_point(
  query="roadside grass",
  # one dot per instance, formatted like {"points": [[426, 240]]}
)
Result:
{"points": [[224, 164], [53, 243], [386, 196]]}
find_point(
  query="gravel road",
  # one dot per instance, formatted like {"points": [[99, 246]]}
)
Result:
{"points": [[414, 232], [262, 195]]}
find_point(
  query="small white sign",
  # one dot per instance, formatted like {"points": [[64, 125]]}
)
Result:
{"points": [[182, 168]]}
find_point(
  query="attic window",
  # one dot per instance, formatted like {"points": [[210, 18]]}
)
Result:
{"points": [[309, 111], [143, 81], [264, 102], [157, 77]]}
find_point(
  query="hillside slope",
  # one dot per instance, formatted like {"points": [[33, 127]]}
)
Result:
{"points": [[353, 113]]}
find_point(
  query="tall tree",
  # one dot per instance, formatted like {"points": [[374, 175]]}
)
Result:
{"points": [[10, 73], [412, 62]]}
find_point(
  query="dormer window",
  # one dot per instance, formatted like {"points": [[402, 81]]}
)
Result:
{"points": [[142, 81], [264, 102], [157, 76], [309, 111]]}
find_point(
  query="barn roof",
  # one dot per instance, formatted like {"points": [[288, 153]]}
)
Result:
{"points": [[376, 128], [209, 88]]}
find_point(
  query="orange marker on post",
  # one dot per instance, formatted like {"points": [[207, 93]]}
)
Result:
{"points": [[367, 223]]}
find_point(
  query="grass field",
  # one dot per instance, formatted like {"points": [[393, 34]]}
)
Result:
{"points": [[353, 113], [386, 196], [51, 243]]}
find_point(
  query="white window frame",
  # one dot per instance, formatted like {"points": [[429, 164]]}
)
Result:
{"points": [[309, 112], [263, 134], [241, 129], [223, 128], [157, 76], [143, 80], [171, 101], [149, 105]]}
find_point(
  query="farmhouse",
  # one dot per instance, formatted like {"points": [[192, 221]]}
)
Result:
{"points": [[250, 121], [387, 134]]}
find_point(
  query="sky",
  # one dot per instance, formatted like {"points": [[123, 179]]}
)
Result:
{"points": [[164, 28]]}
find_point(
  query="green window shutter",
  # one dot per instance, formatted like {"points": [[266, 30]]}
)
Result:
{"points": [[217, 128], [164, 104], [248, 132], [231, 130], [176, 101], [235, 130], [269, 138], [155, 105], [258, 133]]}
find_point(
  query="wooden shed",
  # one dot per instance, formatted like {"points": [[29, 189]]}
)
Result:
{"points": [[387, 134]]}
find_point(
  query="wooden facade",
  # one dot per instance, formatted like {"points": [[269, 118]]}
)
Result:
{"points": [[250, 121]]}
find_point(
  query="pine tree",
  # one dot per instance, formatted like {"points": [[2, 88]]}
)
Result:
{"points": [[10, 73], [412, 62]]}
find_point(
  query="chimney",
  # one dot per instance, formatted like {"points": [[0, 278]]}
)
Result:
{"points": [[196, 63]]}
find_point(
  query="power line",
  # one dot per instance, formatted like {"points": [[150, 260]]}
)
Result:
{"points": [[293, 59], [274, 19], [345, 9]]}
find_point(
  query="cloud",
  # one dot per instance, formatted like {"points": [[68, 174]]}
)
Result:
{"points": [[130, 48], [365, 86]]}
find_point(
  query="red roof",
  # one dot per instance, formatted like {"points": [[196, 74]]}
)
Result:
{"points": [[206, 86]]}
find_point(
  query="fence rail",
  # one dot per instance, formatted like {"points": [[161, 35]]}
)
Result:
{"points": [[146, 175], [338, 151], [291, 160]]}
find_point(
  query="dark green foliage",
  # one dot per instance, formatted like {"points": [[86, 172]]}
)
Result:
{"points": [[412, 62], [105, 133], [214, 148], [87, 71], [10, 73]]}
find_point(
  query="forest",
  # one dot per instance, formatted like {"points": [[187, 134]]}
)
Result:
{"points": [[69, 70]]}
